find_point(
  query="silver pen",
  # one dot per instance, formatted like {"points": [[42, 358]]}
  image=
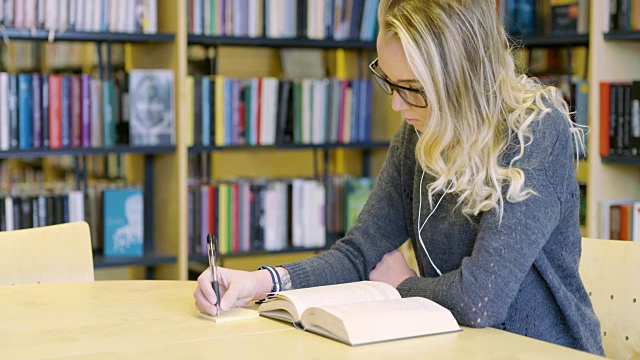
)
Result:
{"points": [[212, 244]]}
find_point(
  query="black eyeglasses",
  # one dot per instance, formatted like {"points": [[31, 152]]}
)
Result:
{"points": [[413, 97]]}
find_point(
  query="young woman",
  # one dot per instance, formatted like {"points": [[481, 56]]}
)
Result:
{"points": [[480, 176]]}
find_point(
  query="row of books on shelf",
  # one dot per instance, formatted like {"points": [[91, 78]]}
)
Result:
{"points": [[312, 19], [115, 215], [620, 219], [128, 16], [30, 56], [543, 17], [622, 15], [268, 111], [270, 215], [54, 111], [620, 118]]}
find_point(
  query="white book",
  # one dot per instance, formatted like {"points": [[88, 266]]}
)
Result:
{"points": [[123, 9], [274, 15], [63, 15], [131, 16], [152, 10], [80, 15], [319, 215], [113, 14], [4, 111], [96, 22], [51, 18], [41, 13], [88, 16], [76, 204], [8, 212], [297, 219], [270, 214], [359, 312], [252, 18], [282, 215], [18, 16], [308, 199], [73, 12], [30, 13], [197, 17], [635, 221]]}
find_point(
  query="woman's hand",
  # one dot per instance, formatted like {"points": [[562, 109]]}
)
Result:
{"points": [[392, 269], [237, 288]]}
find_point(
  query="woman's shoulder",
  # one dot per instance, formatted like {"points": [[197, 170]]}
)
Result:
{"points": [[548, 133]]}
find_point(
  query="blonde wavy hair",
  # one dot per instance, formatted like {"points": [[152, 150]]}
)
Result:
{"points": [[478, 102]]}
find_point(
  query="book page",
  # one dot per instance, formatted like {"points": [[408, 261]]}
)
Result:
{"points": [[358, 292], [380, 321]]}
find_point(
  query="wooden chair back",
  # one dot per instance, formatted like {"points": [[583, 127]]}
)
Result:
{"points": [[610, 270], [57, 253]]}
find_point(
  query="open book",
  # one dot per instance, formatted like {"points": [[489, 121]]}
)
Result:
{"points": [[359, 313]]}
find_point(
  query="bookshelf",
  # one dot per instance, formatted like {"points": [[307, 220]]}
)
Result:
{"points": [[120, 149], [546, 41], [85, 36], [279, 43], [161, 169], [613, 57]]}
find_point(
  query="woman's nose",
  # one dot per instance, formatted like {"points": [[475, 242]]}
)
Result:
{"points": [[397, 103]]}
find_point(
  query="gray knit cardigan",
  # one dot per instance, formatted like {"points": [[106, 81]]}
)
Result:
{"points": [[519, 275]]}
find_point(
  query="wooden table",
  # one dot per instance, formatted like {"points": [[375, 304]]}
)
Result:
{"points": [[157, 319]]}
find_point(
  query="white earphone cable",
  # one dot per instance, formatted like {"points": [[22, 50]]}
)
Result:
{"points": [[425, 220]]}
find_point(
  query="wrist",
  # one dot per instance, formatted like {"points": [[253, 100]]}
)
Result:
{"points": [[264, 284]]}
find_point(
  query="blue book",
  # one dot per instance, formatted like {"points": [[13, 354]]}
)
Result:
{"points": [[25, 111], [45, 111], [206, 111], [123, 222], [65, 112]]}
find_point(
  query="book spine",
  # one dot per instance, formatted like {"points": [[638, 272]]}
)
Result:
{"points": [[75, 99], [45, 111], [14, 141], [37, 110], [25, 111], [55, 111], [108, 131], [4, 110], [86, 110], [65, 112]]}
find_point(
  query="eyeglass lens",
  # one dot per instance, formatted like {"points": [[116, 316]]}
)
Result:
{"points": [[410, 97]]}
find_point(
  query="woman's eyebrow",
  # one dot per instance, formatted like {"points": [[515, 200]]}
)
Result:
{"points": [[411, 81]]}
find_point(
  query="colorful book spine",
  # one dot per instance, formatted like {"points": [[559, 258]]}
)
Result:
{"points": [[37, 110], [65, 112], [25, 111], [45, 111], [55, 111], [86, 110]]}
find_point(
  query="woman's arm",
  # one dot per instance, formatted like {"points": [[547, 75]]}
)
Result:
{"points": [[380, 228]]}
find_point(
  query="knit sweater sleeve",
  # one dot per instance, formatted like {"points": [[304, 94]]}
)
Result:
{"points": [[480, 292], [379, 229]]}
